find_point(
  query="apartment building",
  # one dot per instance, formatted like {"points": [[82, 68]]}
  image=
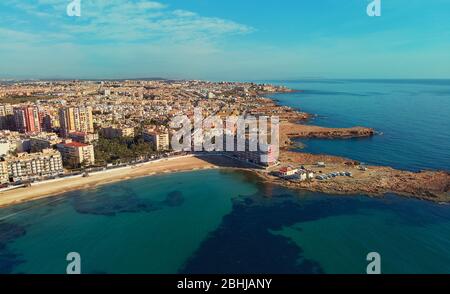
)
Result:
{"points": [[75, 153], [34, 166], [76, 119], [117, 132], [264, 157], [26, 119], [83, 137], [6, 117], [44, 141], [4, 175], [159, 140], [10, 141]]}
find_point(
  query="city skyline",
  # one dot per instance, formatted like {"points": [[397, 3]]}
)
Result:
{"points": [[223, 40]]}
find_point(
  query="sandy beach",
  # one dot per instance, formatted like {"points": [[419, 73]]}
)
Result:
{"points": [[428, 185], [56, 187]]}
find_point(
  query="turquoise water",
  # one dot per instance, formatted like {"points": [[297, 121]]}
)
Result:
{"points": [[147, 225], [223, 221], [413, 117]]}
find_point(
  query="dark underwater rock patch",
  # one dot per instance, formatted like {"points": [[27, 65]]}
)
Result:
{"points": [[174, 198], [110, 206], [124, 201], [8, 233]]}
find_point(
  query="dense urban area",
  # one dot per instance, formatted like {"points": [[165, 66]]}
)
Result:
{"points": [[54, 128], [54, 132]]}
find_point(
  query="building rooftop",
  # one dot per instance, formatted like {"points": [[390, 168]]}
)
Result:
{"points": [[78, 133], [75, 144]]}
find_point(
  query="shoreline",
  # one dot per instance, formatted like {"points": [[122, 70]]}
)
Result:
{"points": [[376, 182], [57, 187], [431, 185], [405, 184]]}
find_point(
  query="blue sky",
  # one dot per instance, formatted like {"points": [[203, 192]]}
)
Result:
{"points": [[225, 39]]}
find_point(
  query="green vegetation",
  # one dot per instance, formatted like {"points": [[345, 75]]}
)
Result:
{"points": [[121, 150], [23, 99]]}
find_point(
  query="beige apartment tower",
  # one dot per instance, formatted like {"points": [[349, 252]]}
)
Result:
{"points": [[6, 116], [160, 141], [76, 119]]}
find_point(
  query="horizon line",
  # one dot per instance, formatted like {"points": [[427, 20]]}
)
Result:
{"points": [[216, 80]]}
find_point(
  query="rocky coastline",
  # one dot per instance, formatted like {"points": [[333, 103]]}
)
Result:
{"points": [[368, 180]]}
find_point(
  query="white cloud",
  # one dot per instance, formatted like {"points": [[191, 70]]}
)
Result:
{"points": [[112, 38], [123, 21], [184, 13], [151, 5]]}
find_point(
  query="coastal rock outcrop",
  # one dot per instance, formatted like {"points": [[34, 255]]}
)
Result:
{"points": [[370, 180], [290, 130]]}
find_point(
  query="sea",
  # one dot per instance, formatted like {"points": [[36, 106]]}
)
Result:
{"points": [[226, 221]]}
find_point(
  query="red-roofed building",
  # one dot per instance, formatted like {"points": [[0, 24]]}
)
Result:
{"points": [[287, 171], [75, 153]]}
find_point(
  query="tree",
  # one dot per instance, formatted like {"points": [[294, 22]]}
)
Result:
{"points": [[121, 149]]}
